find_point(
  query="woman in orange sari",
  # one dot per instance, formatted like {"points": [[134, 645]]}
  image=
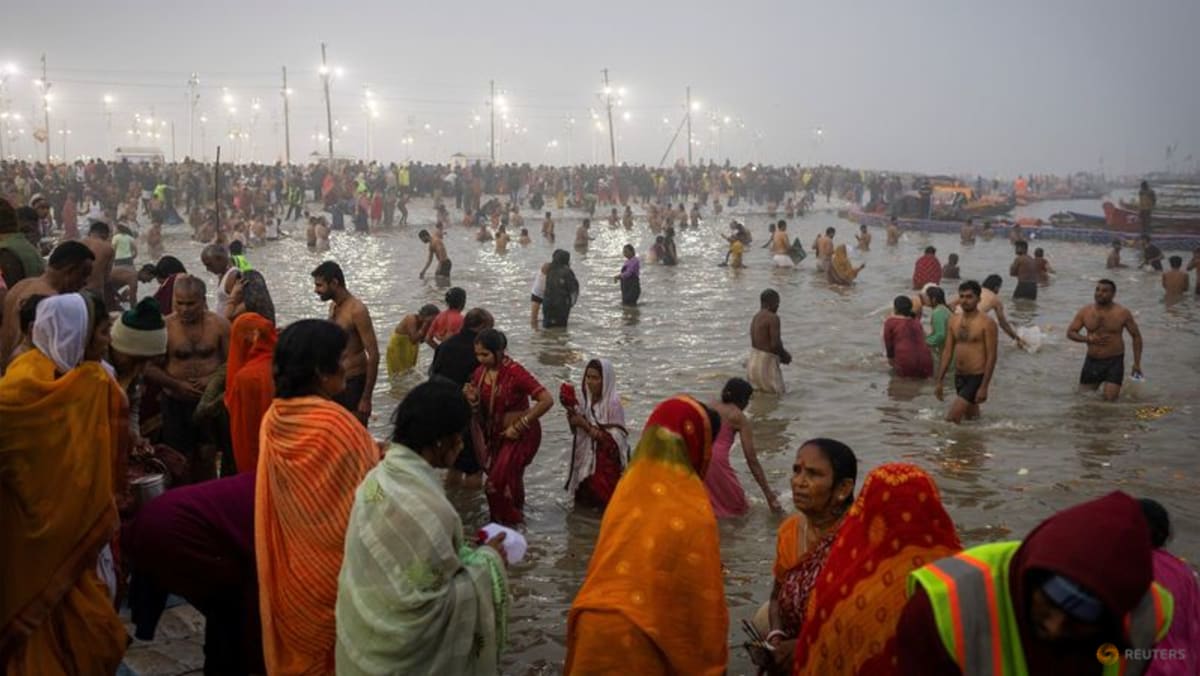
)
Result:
{"points": [[249, 387], [823, 477], [505, 427], [653, 601], [65, 424], [313, 455], [896, 525]]}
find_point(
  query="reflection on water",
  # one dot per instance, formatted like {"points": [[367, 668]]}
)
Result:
{"points": [[1039, 445]]}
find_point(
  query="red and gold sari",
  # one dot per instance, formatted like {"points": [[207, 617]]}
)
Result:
{"points": [[502, 401], [653, 601], [896, 525]]}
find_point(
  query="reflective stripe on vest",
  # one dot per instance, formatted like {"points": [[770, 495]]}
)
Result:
{"points": [[1145, 626], [977, 629], [971, 604]]}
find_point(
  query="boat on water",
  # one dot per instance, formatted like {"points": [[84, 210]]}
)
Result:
{"points": [[1128, 220], [1034, 229]]}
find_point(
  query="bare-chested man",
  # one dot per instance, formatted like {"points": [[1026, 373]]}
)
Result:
{"points": [[583, 235], [1025, 269], [197, 344], [766, 346], [781, 247], [98, 241], [361, 358], [823, 248], [893, 232], [989, 302], [967, 233], [1175, 280], [68, 271], [1106, 322], [1114, 256], [971, 343], [436, 248], [502, 239], [864, 238], [548, 227]]}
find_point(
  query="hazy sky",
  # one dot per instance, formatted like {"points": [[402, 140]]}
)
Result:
{"points": [[995, 88]]}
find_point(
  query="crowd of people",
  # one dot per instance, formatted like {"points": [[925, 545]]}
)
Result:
{"points": [[312, 547]]}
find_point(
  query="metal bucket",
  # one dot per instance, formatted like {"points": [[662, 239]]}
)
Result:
{"points": [[148, 487]]}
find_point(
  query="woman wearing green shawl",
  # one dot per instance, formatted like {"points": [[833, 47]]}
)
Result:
{"points": [[413, 597]]}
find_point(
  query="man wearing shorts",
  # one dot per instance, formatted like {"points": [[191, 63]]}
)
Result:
{"points": [[971, 342], [1025, 269], [1105, 322], [437, 249]]}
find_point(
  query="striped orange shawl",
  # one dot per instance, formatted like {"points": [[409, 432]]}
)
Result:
{"points": [[312, 456]]}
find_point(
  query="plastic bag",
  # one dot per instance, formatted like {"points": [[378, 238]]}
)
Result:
{"points": [[1032, 336], [514, 543]]}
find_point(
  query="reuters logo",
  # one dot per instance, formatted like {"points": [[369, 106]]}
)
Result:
{"points": [[1107, 654]]}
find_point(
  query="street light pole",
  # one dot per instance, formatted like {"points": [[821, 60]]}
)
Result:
{"points": [[287, 125], [612, 139], [5, 72], [46, 106], [64, 132], [689, 124], [328, 107], [492, 143], [193, 99]]}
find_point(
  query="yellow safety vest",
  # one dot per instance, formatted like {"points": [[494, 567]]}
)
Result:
{"points": [[969, 595]]}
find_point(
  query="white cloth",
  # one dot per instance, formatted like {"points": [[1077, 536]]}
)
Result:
{"points": [[606, 413], [223, 295], [764, 373], [783, 261], [539, 284], [60, 329]]}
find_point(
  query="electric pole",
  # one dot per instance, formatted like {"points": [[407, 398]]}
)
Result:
{"points": [[193, 99], [287, 127], [492, 144], [612, 139], [46, 106], [328, 107], [689, 124]]}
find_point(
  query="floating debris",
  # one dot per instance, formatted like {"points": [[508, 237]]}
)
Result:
{"points": [[1152, 412]]}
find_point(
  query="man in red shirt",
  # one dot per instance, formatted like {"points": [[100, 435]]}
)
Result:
{"points": [[927, 270], [449, 321]]}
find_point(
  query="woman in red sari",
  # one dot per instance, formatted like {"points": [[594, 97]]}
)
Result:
{"points": [[601, 440], [896, 526], [505, 427]]}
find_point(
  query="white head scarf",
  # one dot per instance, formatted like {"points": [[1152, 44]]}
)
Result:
{"points": [[61, 329], [608, 414]]}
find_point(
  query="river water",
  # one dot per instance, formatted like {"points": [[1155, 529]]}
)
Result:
{"points": [[1040, 446]]}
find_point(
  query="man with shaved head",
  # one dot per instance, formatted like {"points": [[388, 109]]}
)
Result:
{"points": [[197, 344]]}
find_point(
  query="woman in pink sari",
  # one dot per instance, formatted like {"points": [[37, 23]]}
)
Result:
{"points": [[1178, 577], [724, 490], [506, 429]]}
